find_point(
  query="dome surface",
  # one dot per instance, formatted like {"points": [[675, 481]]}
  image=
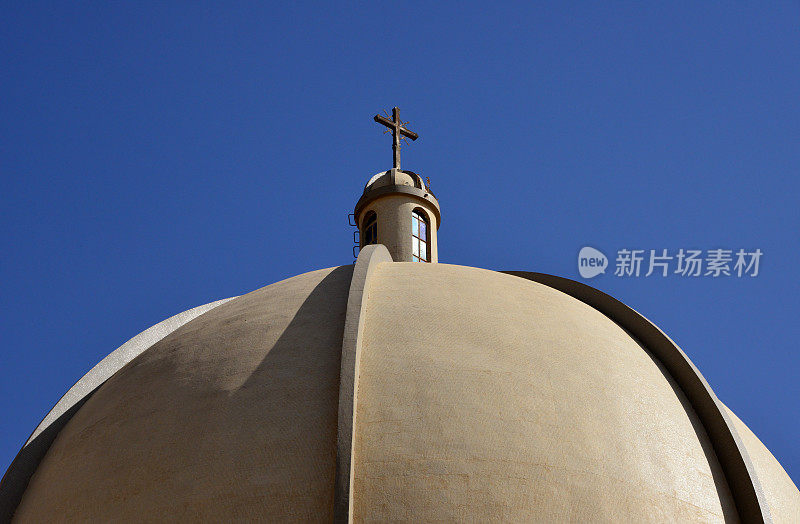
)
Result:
{"points": [[384, 179], [233, 415], [481, 396]]}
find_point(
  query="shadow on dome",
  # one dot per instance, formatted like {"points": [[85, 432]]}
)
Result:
{"points": [[18, 474], [233, 415]]}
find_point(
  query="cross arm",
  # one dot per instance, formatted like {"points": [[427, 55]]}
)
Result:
{"points": [[383, 120], [391, 125], [410, 134]]}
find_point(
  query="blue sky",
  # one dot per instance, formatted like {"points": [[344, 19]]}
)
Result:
{"points": [[158, 157]]}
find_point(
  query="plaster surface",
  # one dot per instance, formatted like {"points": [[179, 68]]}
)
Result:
{"points": [[740, 474], [485, 397], [231, 416], [16, 479], [118, 358]]}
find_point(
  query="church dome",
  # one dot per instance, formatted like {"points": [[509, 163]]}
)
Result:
{"points": [[478, 396]]}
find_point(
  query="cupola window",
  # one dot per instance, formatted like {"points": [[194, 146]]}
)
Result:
{"points": [[420, 251], [370, 229]]}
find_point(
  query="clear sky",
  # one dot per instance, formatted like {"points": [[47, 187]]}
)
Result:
{"points": [[158, 157]]}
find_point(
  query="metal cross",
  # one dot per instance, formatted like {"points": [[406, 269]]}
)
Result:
{"points": [[396, 126]]}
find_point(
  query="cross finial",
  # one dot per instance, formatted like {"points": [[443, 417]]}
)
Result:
{"points": [[397, 127]]}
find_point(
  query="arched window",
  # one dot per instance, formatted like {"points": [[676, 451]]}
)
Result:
{"points": [[420, 248], [369, 232]]}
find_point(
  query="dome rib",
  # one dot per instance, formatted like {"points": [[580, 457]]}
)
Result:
{"points": [[352, 340]]}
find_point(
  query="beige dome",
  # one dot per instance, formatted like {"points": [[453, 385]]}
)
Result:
{"points": [[404, 178], [480, 396]]}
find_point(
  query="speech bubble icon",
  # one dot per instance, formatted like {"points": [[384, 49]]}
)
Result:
{"points": [[591, 262]]}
